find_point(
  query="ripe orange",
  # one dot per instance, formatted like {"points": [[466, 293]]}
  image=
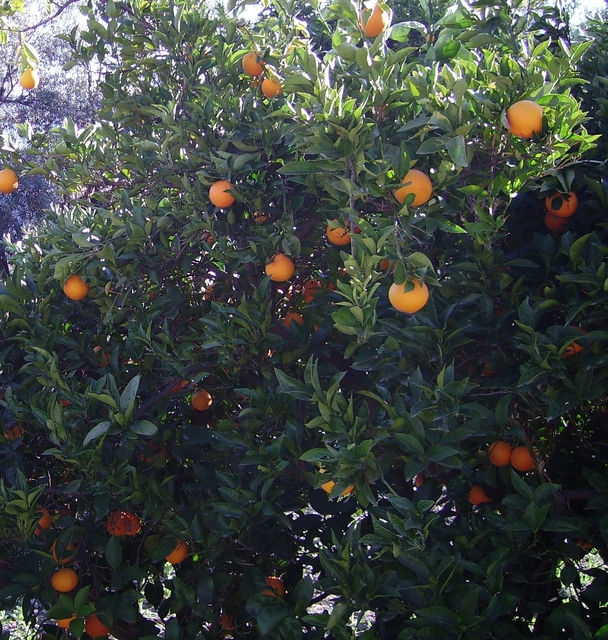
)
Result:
{"points": [[521, 459], [271, 88], [69, 547], [572, 349], [293, 316], [8, 181], [179, 386], [338, 235], [218, 194], [75, 288], [277, 588], [227, 622], [253, 64], [419, 480], [419, 184], [525, 118], [45, 522], [179, 553], [562, 205], [477, 495], [409, 296], [30, 79], [499, 453], [280, 268], [201, 400], [330, 484], [12, 433], [95, 627], [123, 523], [555, 223], [64, 623], [64, 580], [375, 22]]}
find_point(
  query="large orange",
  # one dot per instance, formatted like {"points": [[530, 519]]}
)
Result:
{"points": [[179, 553], [253, 64], [500, 453], [409, 296], [219, 194], [123, 523], [562, 205], [29, 79], [271, 88], [418, 183], [337, 235], [201, 400], [280, 268], [95, 627], [375, 22], [525, 118], [64, 580], [8, 181], [521, 459], [277, 588], [555, 223], [477, 495], [75, 288]]}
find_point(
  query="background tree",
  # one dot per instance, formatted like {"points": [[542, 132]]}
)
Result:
{"points": [[330, 477]]}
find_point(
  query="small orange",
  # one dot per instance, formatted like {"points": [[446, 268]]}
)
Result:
{"points": [[179, 553], [259, 217], [409, 296], [521, 459], [201, 400], [374, 22], [227, 622], [253, 64], [330, 484], [123, 523], [293, 316], [525, 118], [271, 88], [419, 480], [555, 223], [29, 79], [280, 268], [418, 183], [75, 288], [8, 181], [13, 433], [585, 545], [337, 235], [69, 547], [64, 580], [277, 588], [179, 386], [499, 453], [64, 623], [562, 205], [477, 495], [219, 194], [95, 627], [45, 522]]}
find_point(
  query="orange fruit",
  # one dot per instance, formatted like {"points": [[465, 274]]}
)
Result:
{"points": [[218, 194], [123, 523], [179, 386], [271, 88], [12, 433], [259, 217], [330, 484], [253, 64], [499, 453], [280, 268], [562, 205], [338, 235], [477, 495], [555, 223], [521, 459], [95, 627], [64, 623], [201, 400], [45, 522], [64, 580], [227, 622], [419, 480], [179, 553], [69, 547], [277, 588], [30, 79], [525, 118], [419, 184], [8, 181], [293, 316], [584, 544], [408, 297], [375, 22], [75, 288]]}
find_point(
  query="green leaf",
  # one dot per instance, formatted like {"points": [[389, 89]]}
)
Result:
{"points": [[96, 432], [291, 386], [127, 397], [145, 428], [113, 552]]}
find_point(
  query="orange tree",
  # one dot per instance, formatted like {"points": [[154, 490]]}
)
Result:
{"points": [[329, 478]]}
